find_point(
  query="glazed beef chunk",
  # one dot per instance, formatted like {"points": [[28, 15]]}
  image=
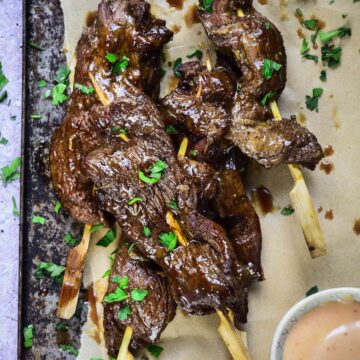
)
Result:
{"points": [[124, 28], [204, 274], [148, 318]]}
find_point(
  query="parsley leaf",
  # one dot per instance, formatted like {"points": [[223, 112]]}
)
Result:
{"points": [[312, 291], [121, 65], [111, 58], [38, 220], [58, 96], [305, 47], [155, 350], [139, 295], [177, 64], [312, 102], [69, 239], [173, 204], [70, 348], [340, 32], [10, 172], [169, 240], [311, 57], [107, 239], [197, 53], [123, 282], [62, 75], [28, 336], [118, 295], [35, 46], [156, 172], [124, 313], [42, 84], [207, 5], [135, 200], [310, 24], [3, 79], [147, 231], [57, 207], [170, 130], [269, 67], [331, 55], [60, 326], [287, 211], [55, 271], [108, 271], [84, 89], [268, 97], [15, 210], [323, 76], [96, 227], [3, 140]]}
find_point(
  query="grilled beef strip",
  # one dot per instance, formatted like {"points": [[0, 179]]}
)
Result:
{"points": [[202, 275], [147, 318], [245, 44], [122, 27]]}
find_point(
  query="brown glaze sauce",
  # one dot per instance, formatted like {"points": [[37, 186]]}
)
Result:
{"points": [[263, 2], [329, 215], [327, 166], [93, 313], [356, 227], [328, 150], [263, 197], [320, 209], [175, 28], [90, 18], [320, 23], [301, 118], [191, 16], [177, 4], [300, 33]]}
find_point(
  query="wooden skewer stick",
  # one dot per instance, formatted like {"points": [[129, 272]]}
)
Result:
{"points": [[301, 200], [124, 353], [70, 288]]}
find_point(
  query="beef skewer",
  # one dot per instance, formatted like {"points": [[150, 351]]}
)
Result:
{"points": [[121, 27], [222, 13]]}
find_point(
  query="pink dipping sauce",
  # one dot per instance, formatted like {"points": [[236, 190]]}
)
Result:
{"points": [[329, 332]]}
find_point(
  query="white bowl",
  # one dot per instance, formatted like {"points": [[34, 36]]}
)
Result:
{"points": [[303, 307]]}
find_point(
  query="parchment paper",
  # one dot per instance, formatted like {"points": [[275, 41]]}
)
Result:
{"points": [[289, 270]]}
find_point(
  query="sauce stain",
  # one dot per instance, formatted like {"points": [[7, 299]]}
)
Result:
{"points": [[356, 227], [320, 209], [191, 16], [262, 196], [336, 118], [177, 4], [283, 10], [329, 215], [90, 18], [94, 317], [300, 33], [327, 166], [175, 28], [328, 150], [320, 23], [263, 2], [301, 118]]}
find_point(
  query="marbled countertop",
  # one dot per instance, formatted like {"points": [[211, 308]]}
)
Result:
{"points": [[10, 128]]}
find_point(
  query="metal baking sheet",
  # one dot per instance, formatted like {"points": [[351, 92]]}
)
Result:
{"points": [[44, 26]]}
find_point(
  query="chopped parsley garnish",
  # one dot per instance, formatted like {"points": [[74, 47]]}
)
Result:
{"points": [[84, 89], [123, 282], [147, 231], [197, 53], [162, 72], [267, 25], [207, 5], [35, 46], [269, 67], [341, 32], [3, 140], [57, 207], [38, 220], [155, 350], [331, 55], [124, 313], [177, 64], [58, 96], [36, 116], [299, 12], [15, 210], [305, 47], [3, 96], [312, 291], [70, 348], [312, 102], [111, 58], [28, 336], [10, 172], [170, 130], [156, 171], [139, 295], [121, 65], [96, 227], [3, 82], [60, 326], [69, 239], [135, 200], [323, 76], [118, 295], [62, 75], [169, 240], [311, 57], [310, 24], [55, 271], [314, 36], [268, 97], [108, 271], [287, 211], [173, 204], [42, 84], [107, 239], [194, 153]]}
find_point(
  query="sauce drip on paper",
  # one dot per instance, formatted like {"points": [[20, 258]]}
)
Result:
{"points": [[177, 4], [328, 332]]}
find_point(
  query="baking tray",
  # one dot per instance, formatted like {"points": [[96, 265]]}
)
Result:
{"points": [[43, 25]]}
